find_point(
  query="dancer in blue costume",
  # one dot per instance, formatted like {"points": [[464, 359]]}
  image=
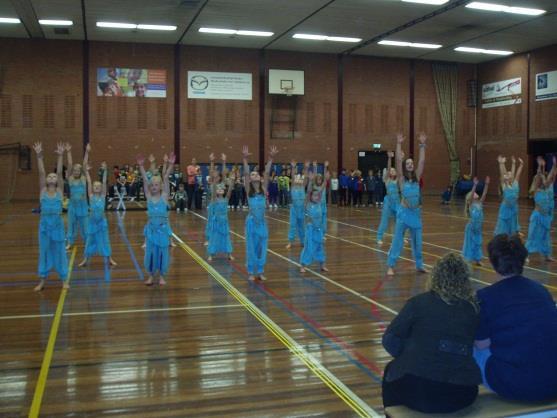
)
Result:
{"points": [[409, 214], [157, 230], [98, 242], [297, 204], [314, 249], [78, 210], [217, 221], [473, 209], [52, 254], [507, 221], [257, 233], [539, 229], [318, 181], [391, 200]]}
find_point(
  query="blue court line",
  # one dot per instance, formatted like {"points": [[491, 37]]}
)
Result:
{"points": [[122, 230]]}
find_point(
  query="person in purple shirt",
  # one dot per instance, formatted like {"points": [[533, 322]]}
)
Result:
{"points": [[516, 341]]}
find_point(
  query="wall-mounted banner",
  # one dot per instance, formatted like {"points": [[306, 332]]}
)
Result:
{"points": [[212, 85], [131, 82], [502, 93], [546, 86]]}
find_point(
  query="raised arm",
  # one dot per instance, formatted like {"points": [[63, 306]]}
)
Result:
{"points": [[421, 159], [513, 166], [293, 168], [502, 169], [245, 155], [399, 157], [152, 164], [475, 181], [104, 167], [486, 186], [68, 149], [37, 146], [305, 173], [169, 164], [224, 169], [272, 152], [550, 179], [87, 168], [390, 156], [140, 162], [60, 166], [519, 170], [86, 156]]}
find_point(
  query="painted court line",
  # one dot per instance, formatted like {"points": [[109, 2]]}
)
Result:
{"points": [[315, 273], [122, 311], [339, 388], [45, 366]]}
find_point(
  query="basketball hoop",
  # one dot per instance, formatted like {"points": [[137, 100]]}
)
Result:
{"points": [[288, 91]]}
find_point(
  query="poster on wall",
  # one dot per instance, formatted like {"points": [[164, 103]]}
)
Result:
{"points": [[546, 86], [213, 85], [131, 82], [502, 93]]}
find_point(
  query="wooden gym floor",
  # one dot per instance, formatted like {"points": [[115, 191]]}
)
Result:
{"points": [[211, 343]]}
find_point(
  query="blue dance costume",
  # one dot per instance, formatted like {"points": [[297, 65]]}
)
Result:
{"points": [[208, 224], [507, 222], [472, 246], [390, 207], [219, 230], [52, 252], [408, 216], [257, 235], [313, 244], [298, 197], [324, 210], [97, 242], [78, 211], [539, 230], [157, 237]]}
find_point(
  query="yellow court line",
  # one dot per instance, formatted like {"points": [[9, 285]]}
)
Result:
{"points": [[45, 366], [123, 311], [339, 388]]}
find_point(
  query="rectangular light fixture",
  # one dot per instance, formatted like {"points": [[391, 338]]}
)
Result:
{"points": [[156, 27], [433, 2], [483, 51], [313, 37], [116, 25], [49, 22], [410, 44], [492, 7], [9, 20], [236, 32]]}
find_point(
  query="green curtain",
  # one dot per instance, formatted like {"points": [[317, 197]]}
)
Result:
{"points": [[445, 79]]}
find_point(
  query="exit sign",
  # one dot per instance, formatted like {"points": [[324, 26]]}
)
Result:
{"points": [[376, 146]]}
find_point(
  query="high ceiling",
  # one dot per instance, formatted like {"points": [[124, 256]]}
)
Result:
{"points": [[450, 25]]}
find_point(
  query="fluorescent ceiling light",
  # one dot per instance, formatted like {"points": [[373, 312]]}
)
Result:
{"points": [[9, 20], [483, 51], [156, 27], [325, 38], [410, 44], [55, 22], [434, 2], [491, 7], [236, 32], [116, 25], [253, 33]]}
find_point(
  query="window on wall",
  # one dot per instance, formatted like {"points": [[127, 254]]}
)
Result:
{"points": [[48, 111], [69, 112], [27, 111], [162, 114], [5, 111]]}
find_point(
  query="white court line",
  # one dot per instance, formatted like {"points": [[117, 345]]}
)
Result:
{"points": [[321, 276], [123, 311], [438, 246]]}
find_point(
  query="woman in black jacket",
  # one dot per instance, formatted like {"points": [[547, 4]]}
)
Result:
{"points": [[431, 340]]}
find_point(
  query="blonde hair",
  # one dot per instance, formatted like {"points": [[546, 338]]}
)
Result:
{"points": [[467, 203], [450, 280]]}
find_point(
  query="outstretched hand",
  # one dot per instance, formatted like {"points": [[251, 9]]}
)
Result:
{"points": [[476, 181], [390, 154], [399, 139], [60, 148], [67, 147], [273, 151], [487, 180], [171, 158], [422, 138], [38, 147], [223, 157], [151, 158], [140, 160], [520, 161], [245, 151], [88, 147]]}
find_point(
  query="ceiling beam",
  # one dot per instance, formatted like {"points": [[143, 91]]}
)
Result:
{"points": [[192, 21], [299, 23], [84, 19], [377, 38], [28, 16]]}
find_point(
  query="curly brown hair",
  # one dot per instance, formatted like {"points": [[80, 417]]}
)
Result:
{"points": [[450, 280]]}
